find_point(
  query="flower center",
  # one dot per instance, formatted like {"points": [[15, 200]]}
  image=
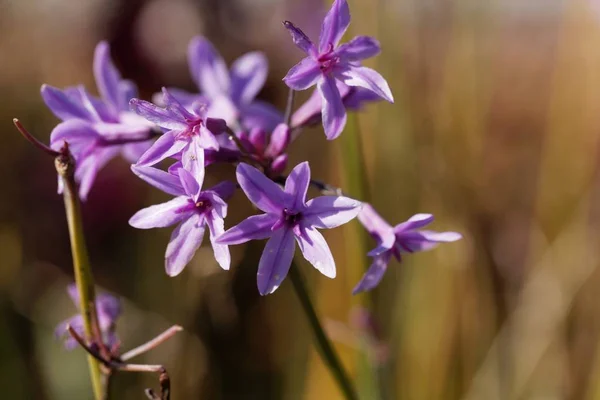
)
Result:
{"points": [[291, 218], [203, 206], [328, 60]]}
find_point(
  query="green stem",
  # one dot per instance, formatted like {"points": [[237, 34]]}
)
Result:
{"points": [[324, 346], [65, 166]]}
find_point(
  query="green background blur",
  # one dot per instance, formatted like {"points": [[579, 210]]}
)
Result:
{"points": [[495, 131]]}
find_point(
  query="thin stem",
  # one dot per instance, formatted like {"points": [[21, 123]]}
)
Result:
{"points": [[31, 139], [166, 335], [65, 166], [289, 108], [324, 346]]}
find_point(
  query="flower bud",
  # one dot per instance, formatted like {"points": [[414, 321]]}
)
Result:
{"points": [[280, 138], [279, 164]]}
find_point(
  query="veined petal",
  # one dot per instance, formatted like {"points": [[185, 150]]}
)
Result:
{"points": [[275, 261], [72, 131], [415, 222], [185, 240], [160, 179], [62, 105], [192, 158], [377, 226], [374, 274], [165, 146], [261, 191], [107, 77], [296, 186], [366, 78], [160, 116], [208, 69], [190, 183], [255, 227], [331, 211], [316, 251], [334, 25], [359, 48], [162, 215], [300, 39], [248, 75], [303, 75], [175, 107], [221, 251], [333, 110]]}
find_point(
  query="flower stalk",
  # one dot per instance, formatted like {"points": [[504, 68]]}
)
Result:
{"points": [[65, 166], [323, 344]]}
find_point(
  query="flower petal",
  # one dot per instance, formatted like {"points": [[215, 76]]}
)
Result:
{"points": [[260, 190], [63, 106], [377, 227], [175, 107], [366, 78], [300, 39], [73, 131], [248, 76], [208, 69], [185, 240], [255, 227], [183, 96], [221, 251], [374, 274], [162, 180], [108, 78], [160, 116], [88, 167], [303, 75], [165, 146], [415, 222], [359, 48], [224, 190], [414, 241], [275, 261], [162, 215], [191, 184], [333, 110], [296, 186], [316, 251], [330, 211], [262, 115], [192, 158], [334, 25], [108, 306]]}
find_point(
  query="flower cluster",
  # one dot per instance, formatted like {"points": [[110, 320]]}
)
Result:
{"points": [[225, 123]]}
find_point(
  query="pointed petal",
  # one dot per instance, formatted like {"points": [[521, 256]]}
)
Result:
{"points": [[415, 222], [300, 39], [165, 146], [221, 251], [107, 77], [185, 240], [414, 241], [255, 227], [175, 107], [303, 75], [183, 96], [61, 105], [366, 78], [333, 110], [296, 186], [316, 251], [248, 76], [72, 131], [208, 69], [162, 215], [331, 211], [359, 48], [162, 180], [160, 116], [377, 227], [190, 184], [374, 274], [260, 190], [206, 139], [334, 25], [275, 261], [192, 158]]}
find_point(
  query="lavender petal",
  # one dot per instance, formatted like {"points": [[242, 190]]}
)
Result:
{"points": [[275, 261]]}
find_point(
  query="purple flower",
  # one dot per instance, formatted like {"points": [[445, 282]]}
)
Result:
{"points": [[98, 129], [108, 309], [192, 209], [188, 132], [230, 94], [330, 62], [288, 216], [404, 237], [268, 150]]}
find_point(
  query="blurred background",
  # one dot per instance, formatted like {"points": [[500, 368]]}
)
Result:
{"points": [[495, 131]]}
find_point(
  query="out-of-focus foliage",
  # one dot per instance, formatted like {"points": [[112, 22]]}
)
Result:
{"points": [[495, 131]]}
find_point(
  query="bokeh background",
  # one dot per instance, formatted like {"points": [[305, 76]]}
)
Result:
{"points": [[495, 130]]}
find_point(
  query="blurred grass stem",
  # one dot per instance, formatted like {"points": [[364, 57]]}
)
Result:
{"points": [[324, 346]]}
